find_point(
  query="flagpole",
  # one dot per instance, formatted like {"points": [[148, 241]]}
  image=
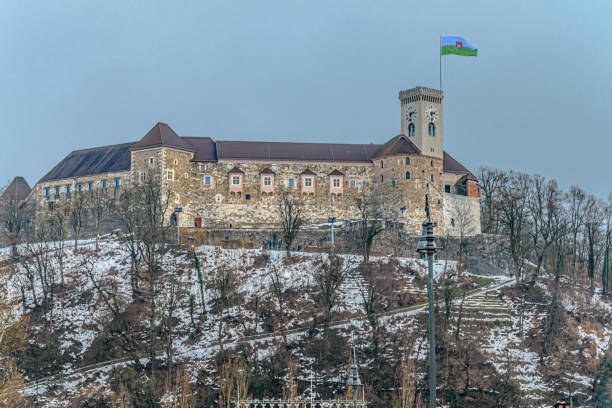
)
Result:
{"points": [[440, 63]]}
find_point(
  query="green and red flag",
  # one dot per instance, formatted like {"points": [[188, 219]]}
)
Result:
{"points": [[450, 44]]}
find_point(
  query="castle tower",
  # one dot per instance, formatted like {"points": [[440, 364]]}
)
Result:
{"points": [[422, 119]]}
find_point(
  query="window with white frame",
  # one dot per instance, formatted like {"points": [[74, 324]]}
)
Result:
{"points": [[236, 180], [117, 182], [267, 181], [291, 182], [308, 182], [336, 182], [170, 174], [207, 180], [143, 176]]}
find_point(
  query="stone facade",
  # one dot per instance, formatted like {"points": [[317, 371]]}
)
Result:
{"points": [[237, 184]]}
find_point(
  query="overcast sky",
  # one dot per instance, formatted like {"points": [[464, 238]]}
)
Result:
{"points": [[90, 73]]}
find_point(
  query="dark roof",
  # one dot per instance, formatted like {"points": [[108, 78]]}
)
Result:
{"points": [[321, 152], [235, 170], [308, 172], [204, 148], [336, 172], [18, 190], [267, 171], [92, 161], [400, 144], [162, 135], [451, 165]]}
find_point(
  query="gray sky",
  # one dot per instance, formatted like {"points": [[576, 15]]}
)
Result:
{"points": [[89, 73]]}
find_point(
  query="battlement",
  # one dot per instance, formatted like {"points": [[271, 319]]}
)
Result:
{"points": [[421, 93]]}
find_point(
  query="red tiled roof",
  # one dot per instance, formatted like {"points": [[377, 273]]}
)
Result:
{"points": [[204, 148], [400, 144], [451, 165], [162, 135], [321, 152], [18, 190]]}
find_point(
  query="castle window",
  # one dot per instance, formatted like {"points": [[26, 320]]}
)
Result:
{"points": [[151, 160], [143, 176], [47, 192], [431, 163], [267, 181], [336, 182], [68, 189], [432, 177], [90, 186], [247, 197], [202, 168], [382, 178], [407, 161], [308, 182], [411, 130], [382, 164], [236, 180], [79, 187], [432, 129], [175, 162], [291, 182], [207, 180], [447, 188], [50, 205], [359, 186], [229, 166], [170, 174], [117, 182], [407, 175], [393, 183], [104, 184]]}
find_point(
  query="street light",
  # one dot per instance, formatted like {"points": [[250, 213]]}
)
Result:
{"points": [[354, 379], [178, 210], [427, 246]]}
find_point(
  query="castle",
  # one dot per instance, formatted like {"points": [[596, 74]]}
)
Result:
{"points": [[234, 184]]}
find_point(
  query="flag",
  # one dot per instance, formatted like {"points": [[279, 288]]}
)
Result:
{"points": [[457, 45]]}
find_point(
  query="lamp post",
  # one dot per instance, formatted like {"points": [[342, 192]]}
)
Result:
{"points": [[178, 210], [354, 379], [427, 246]]}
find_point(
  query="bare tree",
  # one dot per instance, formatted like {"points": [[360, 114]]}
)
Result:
{"points": [[376, 292], [291, 213], [224, 294], [593, 221], [545, 210], [58, 235], [463, 219], [278, 288], [369, 227], [77, 209], [577, 199], [513, 218], [606, 273], [98, 204], [328, 276], [14, 216], [491, 181]]}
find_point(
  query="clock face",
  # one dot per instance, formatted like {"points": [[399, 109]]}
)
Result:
{"points": [[431, 113], [411, 114]]}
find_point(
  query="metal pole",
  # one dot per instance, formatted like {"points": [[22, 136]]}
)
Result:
{"points": [[332, 233], [432, 337], [178, 228], [440, 62]]}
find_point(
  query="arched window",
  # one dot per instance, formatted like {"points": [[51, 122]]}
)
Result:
{"points": [[407, 175], [432, 129], [411, 129], [407, 160]]}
